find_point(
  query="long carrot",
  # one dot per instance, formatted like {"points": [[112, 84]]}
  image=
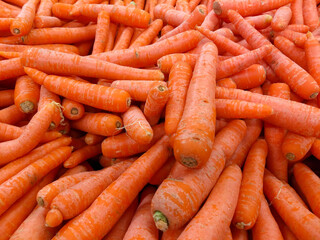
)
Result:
{"points": [[285, 231], [142, 222], [214, 218], [15, 187], [56, 47], [281, 18], [290, 209], [82, 154], [11, 115], [6, 98], [312, 49], [194, 185], [115, 205], [102, 32], [309, 183], [195, 133], [123, 39]]}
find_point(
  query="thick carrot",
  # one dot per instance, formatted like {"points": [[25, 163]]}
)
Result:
{"points": [[30, 137], [248, 206], [10, 68], [101, 38], [312, 49], [6, 98], [15, 187], [266, 226], [124, 146], [34, 227], [111, 99], [75, 199], [214, 218], [82, 155], [72, 64], [120, 228], [297, 12], [50, 191], [284, 111], [195, 133], [124, 39], [179, 79], [287, 70], [250, 77], [72, 109], [310, 14], [246, 7], [290, 208], [148, 55], [11, 115], [294, 146], [281, 18], [155, 102], [274, 136], [238, 234], [309, 183], [45, 7], [19, 211], [194, 185], [115, 205]]}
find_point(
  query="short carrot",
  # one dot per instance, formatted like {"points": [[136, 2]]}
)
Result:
{"points": [[260, 21], [250, 77], [312, 49], [101, 38], [72, 110], [310, 14], [297, 12], [6, 98], [281, 18], [81, 155]]}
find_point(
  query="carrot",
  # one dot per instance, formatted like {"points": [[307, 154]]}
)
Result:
{"points": [[227, 83], [50, 191], [6, 98], [166, 62], [104, 124], [194, 185], [289, 49], [19, 3], [34, 227], [238, 234], [266, 226], [11, 115], [309, 182], [310, 14], [290, 209], [297, 12], [47, 22], [93, 139], [82, 155], [30, 137], [260, 21], [211, 21], [183, 6], [196, 18], [170, 16], [148, 55], [10, 68], [5, 23], [9, 6], [214, 218], [295, 147], [172, 234], [274, 136], [120, 228], [101, 224], [56, 47], [315, 149], [124, 146], [101, 38], [111, 37], [75, 199], [147, 35], [291, 75], [238, 63], [22, 24], [78, 169], [246, 7], [198, 124], [107, 162], [72, 110], [281, 19], [19, 211], [312, 49], [155, 103], [284, 111], [179, 79], [299, 39], [15, 187], [285, 231], [75, 65], [163, 172], [45, 7], [124, 39]]}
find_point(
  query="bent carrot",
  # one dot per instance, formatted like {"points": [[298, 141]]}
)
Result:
{"points": [[6, 98], [82, 154]]}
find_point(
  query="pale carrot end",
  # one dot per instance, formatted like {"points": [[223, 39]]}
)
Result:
{"points": [[161, 221], [27, 106], [217, 8]]}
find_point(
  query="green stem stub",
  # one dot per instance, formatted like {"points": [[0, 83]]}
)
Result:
{"points": [[161, 221]]}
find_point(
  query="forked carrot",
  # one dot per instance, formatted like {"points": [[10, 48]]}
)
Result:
{"points": [[281, 18], [101, 39], [82, 155], [6, 98], [72, 109]]}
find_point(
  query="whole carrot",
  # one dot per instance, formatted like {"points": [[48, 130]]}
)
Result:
{"points": [[102, 32], [195, 133], [214, 218], [281, 18], [101, 224]]}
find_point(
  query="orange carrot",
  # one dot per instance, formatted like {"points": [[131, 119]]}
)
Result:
{"points": [[101, 223], [82, 155], [166, 62], [194, 185], [315, 149], [56, 47], [101, 39], [299, 39], [107, 162], [93, 139], [84, 167], [211, 21], [182, 6], [6, 98], [250, 77], [172, 234], [266, 226], [238, 234], [260, 21], [297, 12], [299, 28], [198, 124], [163, 172], [47, 22], [312, 49], [281, 19], [111, 37], [72, 110], [310, 14], [10, 68], [214, 218], [123, 39], [45, 7], [5, 23], [124, 146], [227, 83], [295, 147], [11, 115], [290, 209], [285, 231]]}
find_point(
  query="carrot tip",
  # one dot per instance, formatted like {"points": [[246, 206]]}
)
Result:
{"points": [[161, 221], [118, 124], [290, 156], [74, 111], [16, 31], [128, 102], [27, 106], [242, 225], [314, 95], [40, 202], [189, 162], [217, 8]]}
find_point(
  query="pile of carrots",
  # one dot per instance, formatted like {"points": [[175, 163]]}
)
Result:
{"points": [[159, 119]]}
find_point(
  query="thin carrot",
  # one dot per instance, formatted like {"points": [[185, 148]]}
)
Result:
{"points": [[195, 133], [295, 147], [10, 68], [211, 21], [101, 38], [19, 3], [214, 218], [19, 211], [47, 22], [6, 98], [101, 223], [281, 19], [309, 183], [11, 115], [163, 172], [297, 12], [148, 55], [107, 162], [56, 47], [71, 64], [124, 146], [290, 209], [312, 49], [15, 187], [111, 37], [194, 185], [266, 226], [179, 79], [82, 155], [260, 21], [124, 39], [310, 14]]}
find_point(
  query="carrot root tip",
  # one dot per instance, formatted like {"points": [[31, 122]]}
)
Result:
{"points": [[74, 111], [27, 106], [314, 95], [118, 124], [217, 8], [290, 156], [161, 221], [16, 31], [189, 162], [40, 202]]}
